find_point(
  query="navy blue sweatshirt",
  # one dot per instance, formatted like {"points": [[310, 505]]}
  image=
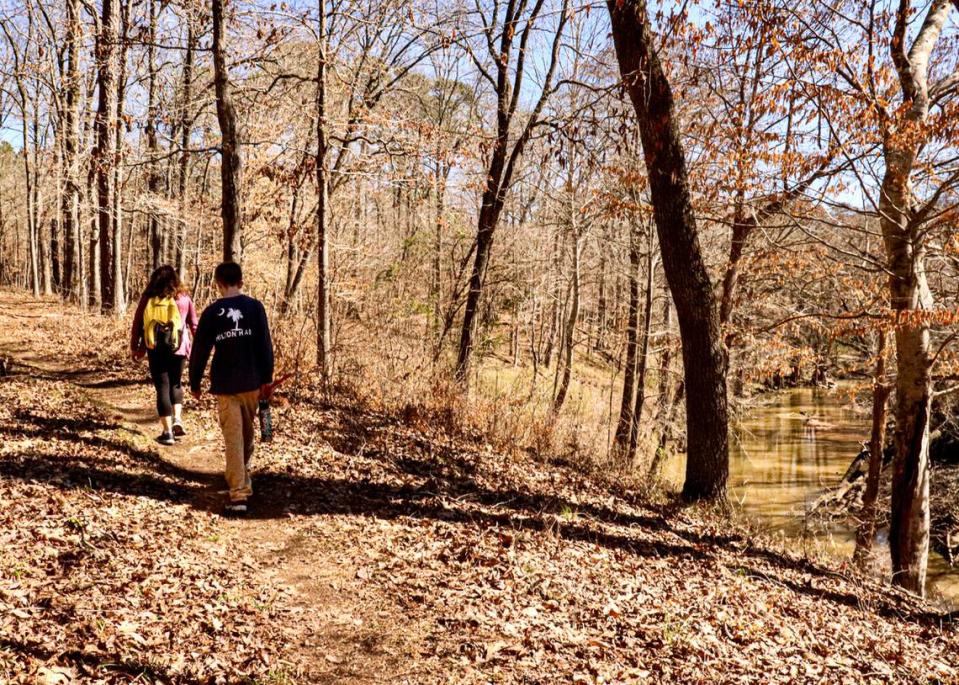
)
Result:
{"points": [[236, 327]]}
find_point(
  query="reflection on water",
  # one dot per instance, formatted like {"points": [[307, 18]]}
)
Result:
{"points": [[785, 453]]}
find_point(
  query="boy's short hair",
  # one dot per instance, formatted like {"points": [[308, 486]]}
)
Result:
{"points": [[228, 274]]}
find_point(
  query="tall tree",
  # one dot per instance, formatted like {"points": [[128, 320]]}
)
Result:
{"points": [[186, 130], [150, 132], [510, 59], [104, 154], [231, 164], [323, 188], [704, 357], [71, 155], [19, 50], [904, 225]]}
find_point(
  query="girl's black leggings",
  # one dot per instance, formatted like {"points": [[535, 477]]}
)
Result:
{"points": [[166, 369]]}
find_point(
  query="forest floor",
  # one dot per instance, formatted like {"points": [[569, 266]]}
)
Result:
{"points": [[380, 550]]}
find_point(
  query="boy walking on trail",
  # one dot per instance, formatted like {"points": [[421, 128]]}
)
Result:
{"points": [[236, 327]]}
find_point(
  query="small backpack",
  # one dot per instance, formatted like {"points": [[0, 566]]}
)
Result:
{"points": [[161, 325]]}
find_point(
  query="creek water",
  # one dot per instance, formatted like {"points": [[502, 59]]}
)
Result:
{"points": [[785, 453]]}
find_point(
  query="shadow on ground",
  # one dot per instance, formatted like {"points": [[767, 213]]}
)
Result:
{"points": [[438, 487]]}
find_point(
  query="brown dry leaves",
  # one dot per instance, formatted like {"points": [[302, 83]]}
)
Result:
{"points": [[463, 565], [105, 572]]}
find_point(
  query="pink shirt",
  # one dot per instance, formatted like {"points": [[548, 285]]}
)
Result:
{"points": [[187, 315]]}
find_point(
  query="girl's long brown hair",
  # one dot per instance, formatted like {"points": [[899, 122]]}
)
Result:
{"points": [[164, 282]]}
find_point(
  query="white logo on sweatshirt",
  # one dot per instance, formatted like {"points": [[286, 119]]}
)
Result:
{"points": [[236, 332]]}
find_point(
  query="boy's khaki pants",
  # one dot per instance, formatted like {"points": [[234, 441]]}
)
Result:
{"points": [[236, 414]]}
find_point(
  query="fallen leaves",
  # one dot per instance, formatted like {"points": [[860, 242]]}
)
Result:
{"points": [[382, 549]]}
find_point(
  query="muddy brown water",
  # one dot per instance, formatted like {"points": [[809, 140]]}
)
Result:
{"points": [[785, 453]]}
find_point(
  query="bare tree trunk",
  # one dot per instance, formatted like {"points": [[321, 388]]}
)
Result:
{"points": [[33, 266], [881, 389], [119, 287], [231, 166], [71, 136], [704, 357], [150, 132], [186, 128], [436, 285], [625, 424], [663, 415], [3, 254], [56, 273], [94, 286], [42, 248], [104, 154], [570, 332], [131, 247], [488, 220], [909, 524], [322, 185], [904, 133], [601, 316], [555, 312], [292, 252], [297, 279], [644, 355], [504, 156], [741, 231]]}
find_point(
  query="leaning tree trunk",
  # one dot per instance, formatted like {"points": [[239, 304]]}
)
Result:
{"points": [[488, 220], [231, 166], [704, 358], [504, 155], [105, 151], [570, 331]]}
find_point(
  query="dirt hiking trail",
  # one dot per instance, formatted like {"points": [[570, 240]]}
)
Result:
{"points": [[378, 549], [343, 633]]}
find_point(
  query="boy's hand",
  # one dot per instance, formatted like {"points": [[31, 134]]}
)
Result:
{"points": [[137, 354]]}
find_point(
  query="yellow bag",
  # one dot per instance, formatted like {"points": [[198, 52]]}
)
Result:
{"points": [[162, 324]]}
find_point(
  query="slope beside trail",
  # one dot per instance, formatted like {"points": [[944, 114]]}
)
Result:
{"points": [[379, 549]]}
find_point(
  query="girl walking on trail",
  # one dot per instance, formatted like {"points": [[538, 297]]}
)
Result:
{"points": [[163, 329]]}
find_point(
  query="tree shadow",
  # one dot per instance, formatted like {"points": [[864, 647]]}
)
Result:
{"points": [[115, 383], [279, 494], [887, 608], [446, 488], [81, 431], [316, 495], [111, 664]]}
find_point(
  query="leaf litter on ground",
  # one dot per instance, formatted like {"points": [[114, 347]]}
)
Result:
{"points": [[384, 550]]}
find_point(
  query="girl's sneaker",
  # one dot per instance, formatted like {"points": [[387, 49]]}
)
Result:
{"points": [[178, 430], [166, 439]]}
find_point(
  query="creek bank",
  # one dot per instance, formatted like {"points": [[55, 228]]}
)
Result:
{"points": [[844, 502]]}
